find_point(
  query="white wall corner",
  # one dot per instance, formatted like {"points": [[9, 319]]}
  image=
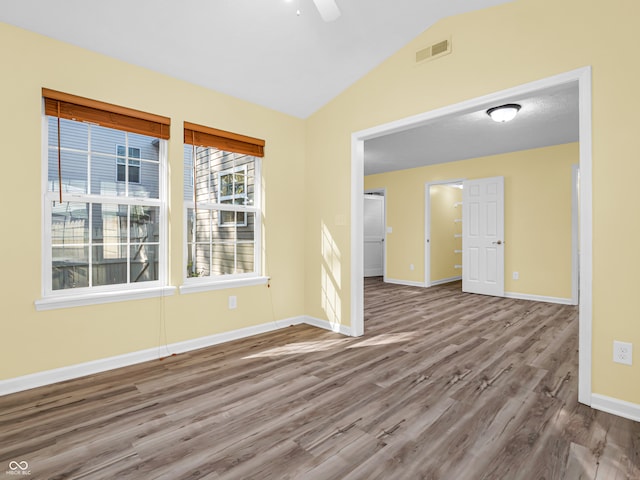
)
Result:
{"points": [[326, 325]]}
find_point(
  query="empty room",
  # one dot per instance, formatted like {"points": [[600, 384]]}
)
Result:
{"points": [[186, 291]]}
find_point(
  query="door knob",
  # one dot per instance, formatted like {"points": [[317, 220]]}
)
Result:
{"points": [[499, 242]]}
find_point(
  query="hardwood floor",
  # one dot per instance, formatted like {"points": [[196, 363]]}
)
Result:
{"points": [[443, 385]]}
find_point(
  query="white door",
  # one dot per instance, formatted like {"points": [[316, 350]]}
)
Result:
{"points": [[373, 235], [483, 236]]}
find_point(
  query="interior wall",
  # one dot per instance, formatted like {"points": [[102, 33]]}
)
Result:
{"points": [[537, 216], [445, 210], [536, 39], [32, 341]]}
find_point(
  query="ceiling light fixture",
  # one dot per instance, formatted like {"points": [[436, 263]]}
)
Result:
{"points": [[504, 113]]}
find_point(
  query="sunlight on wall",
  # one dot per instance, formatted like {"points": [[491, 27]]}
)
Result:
{"points": [[330, 278]]}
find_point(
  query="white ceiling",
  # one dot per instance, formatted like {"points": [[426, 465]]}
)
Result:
{"points": [[549, 117], [257, 50], [263, 52]]}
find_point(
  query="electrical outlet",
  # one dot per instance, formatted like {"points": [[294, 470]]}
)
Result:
{"points": [[622, 352], [516, 275], [411, 267], [233, 302]]}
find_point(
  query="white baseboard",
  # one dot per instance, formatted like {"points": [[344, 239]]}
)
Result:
{"points": [[324, 324], [407, 283], [617, 407], [446, 280], [539, 298], [372, 272], [48, 377]]}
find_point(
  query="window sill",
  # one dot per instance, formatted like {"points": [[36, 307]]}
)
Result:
{"points": [[205, 286], [68, 301]]}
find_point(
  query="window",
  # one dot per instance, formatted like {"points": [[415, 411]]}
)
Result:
{"points": [[102, 234], [233, 191], [132, 160], [222, 200]]}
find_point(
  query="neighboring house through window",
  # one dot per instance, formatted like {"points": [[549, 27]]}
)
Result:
{"points": [[223, 211], [132, 161], [102, 234]]}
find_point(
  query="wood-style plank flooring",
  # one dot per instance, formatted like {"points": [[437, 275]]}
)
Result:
{"points": [[443, 385]]}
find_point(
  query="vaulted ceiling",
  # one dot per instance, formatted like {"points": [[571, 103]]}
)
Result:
{"points": [[282, 55], [258, 50]]}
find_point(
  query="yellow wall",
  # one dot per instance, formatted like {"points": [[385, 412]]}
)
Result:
{"points": [[533, 39], [537, 216], [308, 241], [32, 341], [444, 243]]}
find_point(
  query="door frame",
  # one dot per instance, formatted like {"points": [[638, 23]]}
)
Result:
{"points": [[382, 191], [583, 78], [427, 225]]}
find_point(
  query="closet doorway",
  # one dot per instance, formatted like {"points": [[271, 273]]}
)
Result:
{"points": [[374, 233], [443, 232]]}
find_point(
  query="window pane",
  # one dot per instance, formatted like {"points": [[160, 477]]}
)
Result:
{"points": [[250, 179], [104, 140], [69, 223], [205, 179], [110, 225], [70, 267], [74, 171], [109, 265], [144, 263], [105, 176], [144, 179], [202, 230], [144, 224], [245, 261], [245, 232], [148, 148], [134, 173], [73, 135], [223, 258], [188, 172]]}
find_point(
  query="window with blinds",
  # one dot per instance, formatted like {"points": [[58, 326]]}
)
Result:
{"points": [[105, 197], [223, 204]]}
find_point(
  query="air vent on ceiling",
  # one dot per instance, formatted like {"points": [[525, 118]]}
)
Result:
{"points": [[433, 51]]}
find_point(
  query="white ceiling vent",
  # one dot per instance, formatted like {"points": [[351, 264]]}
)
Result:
{"points": [[434, 51]]}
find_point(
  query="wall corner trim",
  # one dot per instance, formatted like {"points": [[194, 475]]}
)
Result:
{"points": [[326, 325], [615, 406]]}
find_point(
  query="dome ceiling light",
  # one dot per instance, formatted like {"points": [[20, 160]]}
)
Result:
{"points": [[504, 113]]}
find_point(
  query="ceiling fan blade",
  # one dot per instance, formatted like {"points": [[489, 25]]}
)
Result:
{"points": [[328, 9]]}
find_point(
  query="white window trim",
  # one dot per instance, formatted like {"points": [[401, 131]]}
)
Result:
{"points": [[108, 293], [97, 298], [218, 282]]}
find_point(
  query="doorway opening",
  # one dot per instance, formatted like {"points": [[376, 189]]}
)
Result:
{"points": [[582, 78], [443, 232], [374, 224]]}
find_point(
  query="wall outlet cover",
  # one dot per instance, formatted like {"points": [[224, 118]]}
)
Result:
{"points": [[622, 352]]}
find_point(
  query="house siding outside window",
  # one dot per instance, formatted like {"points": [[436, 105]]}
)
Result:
{"points": [[106, 232], [222, 214]]}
